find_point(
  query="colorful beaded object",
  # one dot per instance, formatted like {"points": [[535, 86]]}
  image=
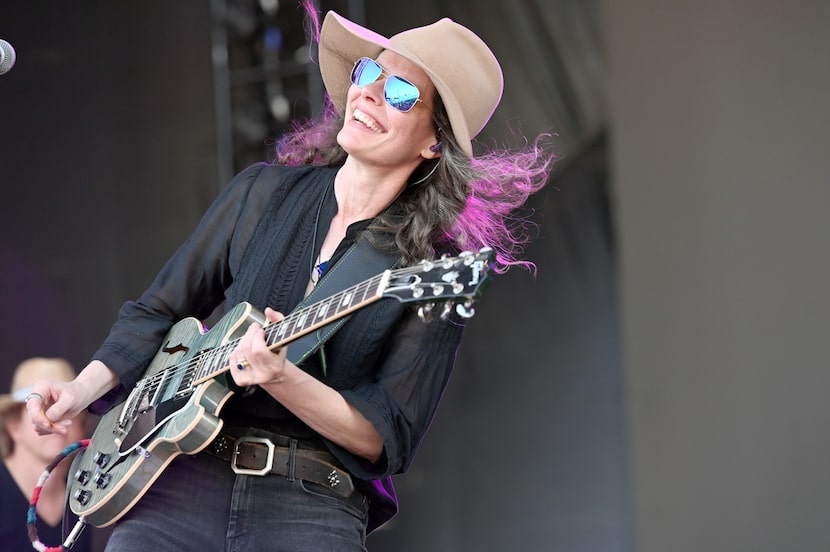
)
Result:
{"points": [[31, 516]]}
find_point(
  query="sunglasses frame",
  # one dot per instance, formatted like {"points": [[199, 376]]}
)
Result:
{"points": [[388, 78]]}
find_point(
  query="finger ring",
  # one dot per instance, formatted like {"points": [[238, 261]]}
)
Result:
{"points": [[32, 396], [242, 364]]}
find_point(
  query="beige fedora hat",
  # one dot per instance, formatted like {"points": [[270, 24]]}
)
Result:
{"points": [[33, 370], [462, 68]]}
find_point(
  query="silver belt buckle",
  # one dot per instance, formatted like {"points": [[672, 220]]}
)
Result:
{"points": [[269, 461]]}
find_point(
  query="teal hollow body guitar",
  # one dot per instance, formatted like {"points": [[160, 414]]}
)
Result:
{"points": [[130, 447]]}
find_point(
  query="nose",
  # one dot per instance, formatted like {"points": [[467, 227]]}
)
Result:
{"points": [[374, 90]]}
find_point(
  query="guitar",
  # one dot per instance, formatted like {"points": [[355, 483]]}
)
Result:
{"points": [[124, 458]]}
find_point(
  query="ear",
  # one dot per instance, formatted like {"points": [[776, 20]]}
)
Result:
{"points": [[12, 426], [432, 152]]}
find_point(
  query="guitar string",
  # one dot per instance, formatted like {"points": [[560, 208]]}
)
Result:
{"points": [[220, 353], [195, 364]]}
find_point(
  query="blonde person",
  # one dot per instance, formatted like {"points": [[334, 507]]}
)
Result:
{"points": [[25, 456]]}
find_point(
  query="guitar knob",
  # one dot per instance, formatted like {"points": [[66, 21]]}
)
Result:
{"points": [[101, 458], [82, 476], [102, 479], [83, 496]]}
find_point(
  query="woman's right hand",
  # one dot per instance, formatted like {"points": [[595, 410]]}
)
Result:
{"points": [[52, 404]]}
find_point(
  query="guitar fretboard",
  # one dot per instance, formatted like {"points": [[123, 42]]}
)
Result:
{"points": [[277, 334], [440, 280]]}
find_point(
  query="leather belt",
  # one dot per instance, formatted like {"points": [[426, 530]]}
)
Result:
{"points": [[252, 455]]}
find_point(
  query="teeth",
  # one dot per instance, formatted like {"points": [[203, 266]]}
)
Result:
{"points": [[366, 120]]}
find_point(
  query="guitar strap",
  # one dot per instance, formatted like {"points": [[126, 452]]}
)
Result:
{"points": [[360, 262]]}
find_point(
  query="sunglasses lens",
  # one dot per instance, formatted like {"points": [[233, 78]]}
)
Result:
{"points": [[398, 92], [365, 72], [401, 94]]}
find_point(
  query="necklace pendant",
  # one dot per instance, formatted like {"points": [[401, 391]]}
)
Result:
{"points": [[318, 271]]}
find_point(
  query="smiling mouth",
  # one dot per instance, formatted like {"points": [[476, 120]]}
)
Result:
{"points": [[366, 121]]}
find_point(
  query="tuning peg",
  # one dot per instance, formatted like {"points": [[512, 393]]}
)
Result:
{"points": [[427, 265], [425, 312], [465, 310], [446, 261], [483, 254], [445, 312]]}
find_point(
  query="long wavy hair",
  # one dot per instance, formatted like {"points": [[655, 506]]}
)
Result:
{"points": [[452, 202]]}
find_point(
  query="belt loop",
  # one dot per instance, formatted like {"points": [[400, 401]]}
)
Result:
{"points": [[292, 457]]}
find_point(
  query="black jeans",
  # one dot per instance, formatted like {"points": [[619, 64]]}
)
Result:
{"points": [[198, 503]]}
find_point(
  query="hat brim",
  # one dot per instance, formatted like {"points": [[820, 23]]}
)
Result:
{"points": [[16, 397], [342, 42], [8, 401]]}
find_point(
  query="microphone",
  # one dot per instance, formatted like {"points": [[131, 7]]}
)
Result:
{"points": [[7, 57]]}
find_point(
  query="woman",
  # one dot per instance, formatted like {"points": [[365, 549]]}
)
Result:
{"points": [[392, 162]]}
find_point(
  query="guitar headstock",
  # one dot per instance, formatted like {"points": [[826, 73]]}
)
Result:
{"points": [[449, 281]]}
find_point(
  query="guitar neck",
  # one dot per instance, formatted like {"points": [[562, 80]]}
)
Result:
{"points": [[450, 280], [317, 315], [301, 322]]}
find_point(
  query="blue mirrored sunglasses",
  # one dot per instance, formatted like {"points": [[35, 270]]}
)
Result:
{"points": [[397, 91]]}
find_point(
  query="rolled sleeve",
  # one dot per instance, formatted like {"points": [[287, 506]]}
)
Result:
{"points": [[402, 401]]}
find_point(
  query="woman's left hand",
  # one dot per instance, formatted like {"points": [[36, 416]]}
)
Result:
{"points": [[252, 362]]}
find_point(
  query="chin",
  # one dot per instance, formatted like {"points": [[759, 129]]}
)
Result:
{"points": [[354, 139], [348, 145]]}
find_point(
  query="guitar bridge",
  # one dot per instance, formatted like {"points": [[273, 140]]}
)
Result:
{"points": [[131, 409]]}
